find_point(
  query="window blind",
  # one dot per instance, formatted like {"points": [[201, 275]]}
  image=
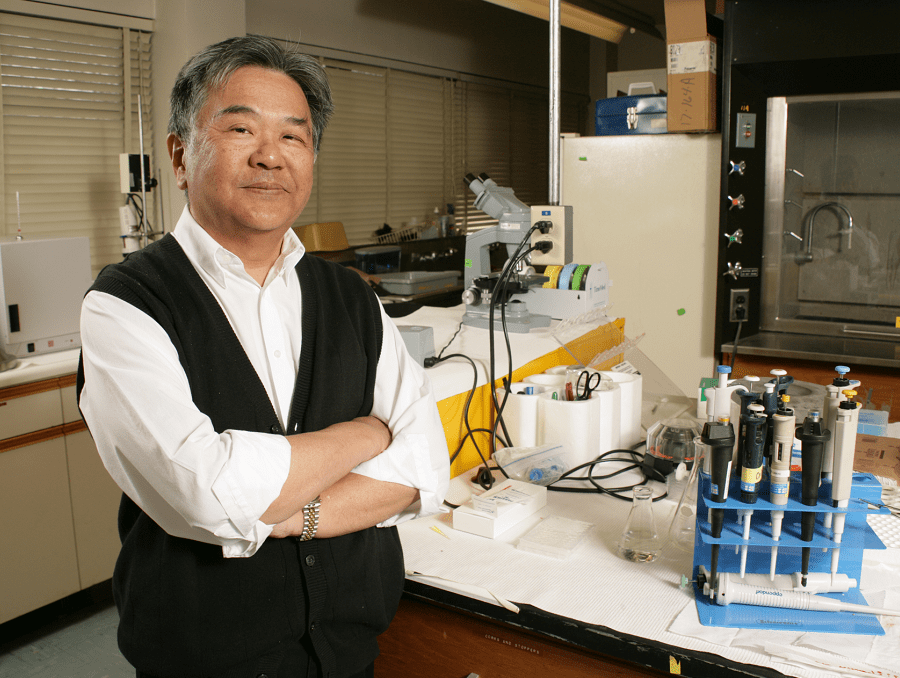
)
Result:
{"points": [[401, 143], [69, 108]]}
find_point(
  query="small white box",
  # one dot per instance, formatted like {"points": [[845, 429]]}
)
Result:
{"points": [[498, 509]]}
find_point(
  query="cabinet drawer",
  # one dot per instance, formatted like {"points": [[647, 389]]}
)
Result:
{"points": [[33, 407]]}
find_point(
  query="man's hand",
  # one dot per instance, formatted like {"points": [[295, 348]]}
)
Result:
{"points": [[353, 503]]}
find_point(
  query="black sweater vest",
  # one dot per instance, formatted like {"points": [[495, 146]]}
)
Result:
{"points": [[186, 610]]}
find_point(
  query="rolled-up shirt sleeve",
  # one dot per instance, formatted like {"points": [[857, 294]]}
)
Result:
{"points": [[417, 456], [159, 448]]}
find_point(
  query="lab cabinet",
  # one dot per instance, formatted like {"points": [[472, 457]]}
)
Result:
{"points": [[58, 505]]}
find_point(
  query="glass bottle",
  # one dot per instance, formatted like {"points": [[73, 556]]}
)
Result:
{"points": [[639, 541]]}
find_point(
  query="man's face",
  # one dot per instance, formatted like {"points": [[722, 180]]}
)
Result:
{"points": [[249, 166]]}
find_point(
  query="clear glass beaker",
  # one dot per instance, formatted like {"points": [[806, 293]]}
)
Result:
{"points": [[639, 541]]}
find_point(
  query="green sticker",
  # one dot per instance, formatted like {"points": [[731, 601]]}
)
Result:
{"points": [[681, 311], [468, 263]]}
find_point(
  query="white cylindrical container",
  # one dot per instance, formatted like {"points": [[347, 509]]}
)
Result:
{"points": [[520, 413], [554, 382], [632, 387], [559, 369], [585, 428]]}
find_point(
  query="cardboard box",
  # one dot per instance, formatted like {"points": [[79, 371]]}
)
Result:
{"points": [[691, 68], [500, 508]]}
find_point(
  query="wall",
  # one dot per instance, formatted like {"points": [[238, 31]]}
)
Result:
{"points": [[181, 29], [465, 36]]}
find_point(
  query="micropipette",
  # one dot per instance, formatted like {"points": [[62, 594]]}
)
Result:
{"points": [[753, 431], [774, 390], [833, 396], [746, 398], [812, 447], [729, 591], [783, 424], [719, 437], [845, 428], [718, 398]]}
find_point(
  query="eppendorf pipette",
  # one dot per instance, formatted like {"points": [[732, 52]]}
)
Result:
{"points": [[719, 437], [845, 428], [731, 591], [753, 432], [783, 424], [812, 447], [833, 396]]}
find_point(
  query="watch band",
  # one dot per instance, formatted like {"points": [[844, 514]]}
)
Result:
{"points": [[310, 519]]}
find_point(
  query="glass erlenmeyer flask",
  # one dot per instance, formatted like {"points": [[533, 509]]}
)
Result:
{"points": [[639, 541], [684, 520]]}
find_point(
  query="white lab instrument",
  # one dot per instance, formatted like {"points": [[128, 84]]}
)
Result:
{"points": [[42, 283]]}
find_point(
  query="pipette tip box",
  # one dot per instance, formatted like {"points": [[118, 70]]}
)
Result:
{"points": [[497, 510]]}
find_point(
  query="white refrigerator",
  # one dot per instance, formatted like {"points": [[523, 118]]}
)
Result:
{"points": [[648, 206]]}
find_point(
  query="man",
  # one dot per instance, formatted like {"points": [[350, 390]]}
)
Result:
{"points": [[255, 405]]}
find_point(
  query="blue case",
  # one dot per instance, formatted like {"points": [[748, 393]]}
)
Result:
{"points": [[631, 115]]}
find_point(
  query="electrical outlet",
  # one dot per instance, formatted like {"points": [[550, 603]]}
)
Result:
{"points": [[560, 235], [739, 309]]}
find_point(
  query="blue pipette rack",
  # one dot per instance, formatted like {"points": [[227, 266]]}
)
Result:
{"points": [[857, 537]]}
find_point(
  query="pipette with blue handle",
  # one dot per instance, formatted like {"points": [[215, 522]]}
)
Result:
{"points": [[783, 424], [845, 427], [753, 432], [813, 437]]}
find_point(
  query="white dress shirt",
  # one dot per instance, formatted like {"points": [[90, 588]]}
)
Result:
{"points": [[213, 487]]}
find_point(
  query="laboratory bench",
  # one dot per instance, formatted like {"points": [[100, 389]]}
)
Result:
{"points": [[441, 634]]}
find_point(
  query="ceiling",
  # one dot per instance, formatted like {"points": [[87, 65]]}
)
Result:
{"points": [[645, 15]]}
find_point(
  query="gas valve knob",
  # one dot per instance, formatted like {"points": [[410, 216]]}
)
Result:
{"points": [[738, 167], [735, 237], [733, 269], [737, 202]]}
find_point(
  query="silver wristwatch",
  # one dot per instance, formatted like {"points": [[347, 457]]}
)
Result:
{"points": [[310, 519]]}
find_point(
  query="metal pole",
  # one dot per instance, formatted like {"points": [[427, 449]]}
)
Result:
{"points": [[554, 102]]}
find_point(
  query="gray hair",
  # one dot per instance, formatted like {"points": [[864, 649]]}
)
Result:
{"points": [[211, 68]]}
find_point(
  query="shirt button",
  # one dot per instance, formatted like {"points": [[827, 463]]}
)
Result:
{"points": [[312, 627], [277, 354], [310, 560], [275, 428]]}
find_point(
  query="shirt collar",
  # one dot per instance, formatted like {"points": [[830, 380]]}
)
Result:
{"points": [[207, 254]]}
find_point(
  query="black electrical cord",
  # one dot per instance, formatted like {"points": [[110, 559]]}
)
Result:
{"points": [[501, 286], [623, 493], [737, 338], [499, 292], [485, 477], [458, 328]]}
